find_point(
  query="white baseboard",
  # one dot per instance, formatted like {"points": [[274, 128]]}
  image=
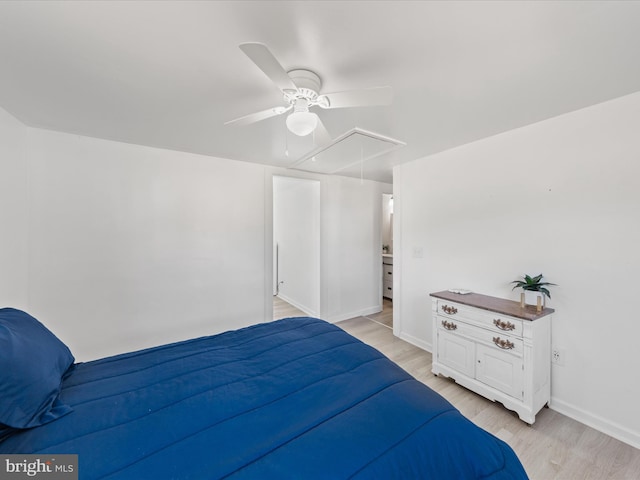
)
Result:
{"points": [[415, 341], [594, 421], [309, 312], [356, 313], [603, 425]]}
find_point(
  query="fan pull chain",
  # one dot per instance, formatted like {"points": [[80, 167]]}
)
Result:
{"points": [[286, 141], [361, 163]]}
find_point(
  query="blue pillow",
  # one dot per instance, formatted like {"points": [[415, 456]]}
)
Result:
{"points": [[32, 363]]}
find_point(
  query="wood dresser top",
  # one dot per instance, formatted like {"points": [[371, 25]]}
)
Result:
{"points": [[495, 304]]}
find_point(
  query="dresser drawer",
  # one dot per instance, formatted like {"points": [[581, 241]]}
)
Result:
{"points": [[493, 321], [387, 289], [387, 272], [496, 340], [457, 327], [500, 341]]}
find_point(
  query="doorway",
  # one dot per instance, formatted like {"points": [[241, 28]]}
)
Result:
{"points": [[296, 241], [386, 316]]}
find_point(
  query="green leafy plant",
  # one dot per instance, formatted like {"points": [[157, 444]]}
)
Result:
{"points": [[534, 284]]}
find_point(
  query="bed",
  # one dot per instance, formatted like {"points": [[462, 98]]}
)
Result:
{"points": [[294, 398]]}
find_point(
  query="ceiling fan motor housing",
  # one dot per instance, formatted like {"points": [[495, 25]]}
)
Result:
{"points": [[308, 84]]}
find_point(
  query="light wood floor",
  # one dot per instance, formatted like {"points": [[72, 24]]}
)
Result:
{"points": [[554, 447], [282, 309], [385, 317]]}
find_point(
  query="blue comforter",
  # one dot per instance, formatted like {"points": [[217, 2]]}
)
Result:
{"points": [[296, 398]]}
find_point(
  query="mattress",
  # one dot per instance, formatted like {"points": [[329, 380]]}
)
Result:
{"points": [[294, 398]]}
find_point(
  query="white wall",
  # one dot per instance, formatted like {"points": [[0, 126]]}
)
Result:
{"points": [[352, 247], [133, 246], [296, 230], [13, 212], [117, 247], [562, 198], [387, 217]]}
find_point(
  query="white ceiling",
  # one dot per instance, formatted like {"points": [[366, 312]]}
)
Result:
{"points": [[169, 74]]}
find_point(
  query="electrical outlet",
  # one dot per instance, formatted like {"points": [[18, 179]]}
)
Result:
{"points": [[418, 252], [557, 356]]}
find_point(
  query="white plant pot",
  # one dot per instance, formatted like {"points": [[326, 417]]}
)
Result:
{"points": [[531, 298]]}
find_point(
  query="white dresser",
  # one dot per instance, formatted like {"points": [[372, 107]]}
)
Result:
{"points": [[494, 347], [387, 275]]}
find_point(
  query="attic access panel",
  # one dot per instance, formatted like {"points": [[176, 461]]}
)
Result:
{"points": [[354, 147]]}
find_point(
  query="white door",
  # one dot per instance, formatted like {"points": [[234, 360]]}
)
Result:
{"points": [[296, 233], [456, 352], [500, 370]]}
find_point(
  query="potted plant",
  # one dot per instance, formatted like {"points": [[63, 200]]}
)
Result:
{"points": [[533, 288]]}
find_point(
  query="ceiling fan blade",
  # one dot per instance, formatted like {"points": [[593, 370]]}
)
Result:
{"points": [[357, 98], [256, 117], [264, 59], [321, 136]]}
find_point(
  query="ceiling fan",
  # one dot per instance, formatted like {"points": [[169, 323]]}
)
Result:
{"points": [[301, 90]]}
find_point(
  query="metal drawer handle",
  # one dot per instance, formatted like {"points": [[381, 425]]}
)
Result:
{"points": [[503, 344], [503, 325], [449, 310], [449, 325]]}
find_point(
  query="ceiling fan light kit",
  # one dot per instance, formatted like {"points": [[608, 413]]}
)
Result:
{"points": [[302, 123]]}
